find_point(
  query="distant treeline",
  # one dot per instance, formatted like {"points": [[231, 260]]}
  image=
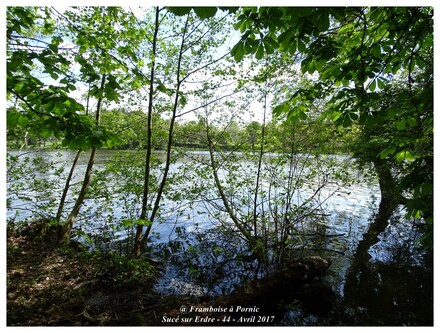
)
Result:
{"points": [[311, 136]]}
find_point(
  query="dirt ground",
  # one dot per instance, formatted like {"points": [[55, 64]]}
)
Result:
{"points": [[49, 284]]}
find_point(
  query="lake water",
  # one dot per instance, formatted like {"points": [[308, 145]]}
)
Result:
{"points": [[350, 209]]}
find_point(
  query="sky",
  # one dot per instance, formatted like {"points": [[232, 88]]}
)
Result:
{"points": [[143, 102]]}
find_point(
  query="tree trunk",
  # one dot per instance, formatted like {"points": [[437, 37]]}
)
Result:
{"points": [[72, 169], [389, 199], [68, 225], [388, 188], [67, 186], [378, 226], [237, 222], [137, 248], [67, 228], [141, 239], [388, 203]]}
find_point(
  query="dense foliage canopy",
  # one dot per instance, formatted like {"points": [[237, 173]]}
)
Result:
{"points": [[373, 67]]}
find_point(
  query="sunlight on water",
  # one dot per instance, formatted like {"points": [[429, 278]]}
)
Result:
{"points": [[190, 227]]}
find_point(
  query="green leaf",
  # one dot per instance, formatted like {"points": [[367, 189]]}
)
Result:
{"points": [[305, 64], [230, 9], [302, 115], [242, 26], [404, 155], [272, 42], [268, 47], [301, 46], [70, 87], [126, 223], [12, 118], [401, 124], [323, 21], [386, 152], [205, 12], [66, 142], [335, 116], [412, 121], [46, 133], [372, 85], [143, 222], [53, 48], [376, 51], [281, 109], [237, 51], [162, 88], [247, 47], [260, 52], [420, 62], [179, 11], [380, 84], [23, 120], [82, 49], [182, 100], [54, 75], [311, 67]]}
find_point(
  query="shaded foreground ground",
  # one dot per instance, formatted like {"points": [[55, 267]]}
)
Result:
{"points": [[51, 285]]}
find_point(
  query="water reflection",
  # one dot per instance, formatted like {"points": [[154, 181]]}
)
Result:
{"points": [[382, 275]]}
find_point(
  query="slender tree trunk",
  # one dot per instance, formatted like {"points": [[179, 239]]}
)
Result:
{"points": [[259, 166], [286, 225], [169, 145], [262, 255], [72, 169], [25, 141], [67, 228], [67, 186], [245, 233], [137, 250]]}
